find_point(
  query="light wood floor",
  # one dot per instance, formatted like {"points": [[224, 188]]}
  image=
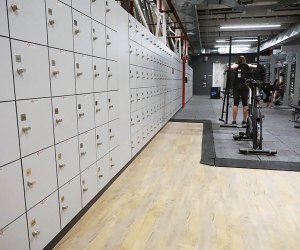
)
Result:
{"points": [[166, 200]]}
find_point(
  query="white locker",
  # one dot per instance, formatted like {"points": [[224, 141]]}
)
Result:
{"points": [[132, 53], [102, 141], [39, 171], [138, 29], [100, 74], [114, 163], [112, 42], [103, 172], [88, 184], [83, 6], [11, 193], [9, 146], [7, 85], [132, 76], [114, 129], [67, 160], [70, 200], [23, 20], [85, 112], [62, 72], [99, 39], [98, 10], [133, 100], [82, 33], [16, 230], [101, 108], [113, 105], [133, 123], [131, 27], [43, 222], [31, 70], [59, 25], [35, 125], [87, 149], [112, 75], [64, 117], [112, 14], [84, 74], [3, 19]]}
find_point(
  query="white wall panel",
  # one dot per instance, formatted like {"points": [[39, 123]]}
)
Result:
{"points": [[3, 19]]}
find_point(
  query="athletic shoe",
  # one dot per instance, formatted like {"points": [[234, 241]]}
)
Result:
{"points": [[233, 122], [244, 124]]}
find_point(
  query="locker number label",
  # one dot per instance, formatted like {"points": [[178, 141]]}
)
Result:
{"points": [[59, 156], [18, 58], [33, 223], [62, 199], [56, 111], [28, 172], [23, 117], [50, 11]]}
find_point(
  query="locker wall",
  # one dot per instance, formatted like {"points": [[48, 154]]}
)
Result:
{"points": [[189, 84], [85, 87]]}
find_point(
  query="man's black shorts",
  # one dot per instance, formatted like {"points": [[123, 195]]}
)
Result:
{"points": [[240, 91]]}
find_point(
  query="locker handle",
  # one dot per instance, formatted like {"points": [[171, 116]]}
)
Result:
{"points": [[100, 175], [36, 233], [59, 120], [65, 207], [112, 136], [83, 153], [112, 165], [51, 21], [111, 106], [108, 10], [132, 124], [132, 147], [131, 76], [31, 183], [26, 128], [61, 165], [108, 43], [110, 75], [21, 71], [56, 72], [132, 100], [14, 7], [99, 144], [81, 114], [95, 38], [85, 189], [93, 1], [97, 74], [137, 54], [138, 120], [79, 73], [98, 110], [77, 31]]}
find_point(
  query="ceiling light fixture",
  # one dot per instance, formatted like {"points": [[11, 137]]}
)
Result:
{"points": [[237, 40], [233, 46], [251, 26]]}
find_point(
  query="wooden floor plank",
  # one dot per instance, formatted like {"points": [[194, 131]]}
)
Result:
{"points": [[166, 200]]}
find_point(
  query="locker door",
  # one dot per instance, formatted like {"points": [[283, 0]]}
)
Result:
{"points": [[62, 72], [138, 30], [131, 27], [26, 17], [84, 74], [103, 172], [70, 200], [40, 179], [8, 235], [9, 148], [132, 76], [11, 193], [133, 100], [112, 14], [100, 75], [35, 125], [138, 99], [99, 39], [43, 222], [112, 76], [67, 160], [88, 184], [132, 51], [7, 87], [3, 19], [113, 105], [102, 141], [133, 122], [101, 109], [84, 6], [114, 162], [59, 25], [114, 128], [87, 149], [112, 44], [65, 117], [133, 146], [31, 70], [82, 33], [98, 10], [138, 119], [85, 112], [137, 53]]}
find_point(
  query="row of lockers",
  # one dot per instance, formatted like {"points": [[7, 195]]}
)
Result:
{"points": [[59, 25], [189, 83], [66, 116]]}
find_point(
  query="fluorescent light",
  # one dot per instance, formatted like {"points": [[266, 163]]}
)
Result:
{"points": [[237, 40], [251, 26], [234, 46]]}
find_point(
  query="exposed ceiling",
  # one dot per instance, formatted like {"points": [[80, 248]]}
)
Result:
{"points": [[215, 13]]}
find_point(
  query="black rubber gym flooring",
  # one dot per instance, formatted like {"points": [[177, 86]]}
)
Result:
{"points": [[220, 150]]}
